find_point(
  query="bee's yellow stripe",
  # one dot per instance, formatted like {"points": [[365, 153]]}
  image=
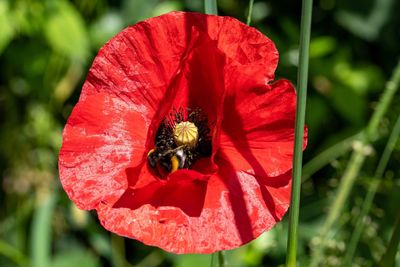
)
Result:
{"points": [[174, 163]]}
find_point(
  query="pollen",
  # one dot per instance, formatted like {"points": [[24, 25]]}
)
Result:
{"points": [[186, 134]]}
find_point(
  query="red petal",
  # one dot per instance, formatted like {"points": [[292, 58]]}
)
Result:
{"points": [[258, 134], [235, 209], [102, 138], [145, 58]]}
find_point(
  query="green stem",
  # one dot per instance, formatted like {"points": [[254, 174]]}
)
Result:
{"points": [[371, 193], [388, 259], [42, 231], [218, 259], [355, 164], [221, 259], [210, 7], [302, 78], [250, 12]]}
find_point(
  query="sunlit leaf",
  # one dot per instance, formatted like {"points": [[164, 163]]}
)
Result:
{"points": [[322, 46], [66, 32], [361, 79]]}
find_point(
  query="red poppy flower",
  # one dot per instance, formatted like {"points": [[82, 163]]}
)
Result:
{"points": [[179, 138]]}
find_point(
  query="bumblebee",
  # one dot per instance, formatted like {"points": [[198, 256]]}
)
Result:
{"points": [[180, 140]]}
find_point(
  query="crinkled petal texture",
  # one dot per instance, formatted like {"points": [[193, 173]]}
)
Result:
{"points": [[183, 60]]}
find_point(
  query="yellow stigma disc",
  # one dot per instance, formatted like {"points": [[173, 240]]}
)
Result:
{"points": [[186, 133]]}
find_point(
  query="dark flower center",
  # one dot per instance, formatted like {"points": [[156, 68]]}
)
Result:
{"points": [[180, 140]]}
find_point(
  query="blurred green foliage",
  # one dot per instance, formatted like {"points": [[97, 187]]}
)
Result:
{"points": [[46, 48]]}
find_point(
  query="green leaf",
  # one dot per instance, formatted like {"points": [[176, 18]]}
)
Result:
{"points": [[360, 79], [322, 46], [66, 32]]}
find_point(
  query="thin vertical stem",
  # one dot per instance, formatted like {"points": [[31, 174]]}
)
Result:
{"points": [[394, 136], [218, 259], [41, 233], [210, 7], [221, 259], [213, 260], [305, 30], [355, 163], [250, 12]]}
